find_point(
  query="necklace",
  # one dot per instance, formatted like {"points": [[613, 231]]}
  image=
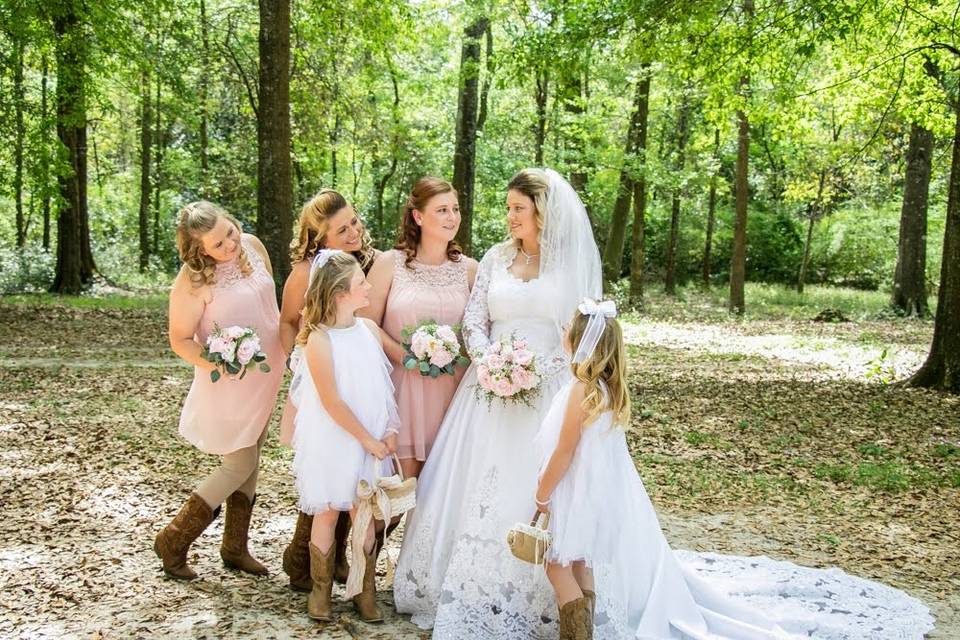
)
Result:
{"points": [[526, 256]]}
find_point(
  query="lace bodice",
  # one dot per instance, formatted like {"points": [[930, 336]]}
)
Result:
{"points": [[501, 304], [448, 274]]}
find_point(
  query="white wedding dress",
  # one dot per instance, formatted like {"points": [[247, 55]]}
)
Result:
{"points": [[455, 572]]}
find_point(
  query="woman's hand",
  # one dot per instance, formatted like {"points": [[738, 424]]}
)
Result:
{"points": [[543, 504], [391, 441], [376, 448]]}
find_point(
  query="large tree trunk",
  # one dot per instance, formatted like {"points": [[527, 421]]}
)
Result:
{"points": [[487, 79], [711, 214], [670, 280], [613, 251], [71, 274], [573, 105], [159, 144], [45, 156], [146, 122], [540, 132], [910, 282], [202, 97], [638, 240], [274, 186], [816, 211], [464, 156], [942, 367], [738, 259], [21, 135]]}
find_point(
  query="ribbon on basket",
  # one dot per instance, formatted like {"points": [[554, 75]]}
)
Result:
{"points": [[386, 498]]}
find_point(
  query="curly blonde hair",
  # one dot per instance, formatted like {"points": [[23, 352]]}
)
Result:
{"points": [[534, 184], [326, 283], [606, 367], [197, 219], [314, 223]]}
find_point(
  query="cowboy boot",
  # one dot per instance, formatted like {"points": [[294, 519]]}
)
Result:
{"points": [[366, 601], [173, 542], [236, 527], [296, 557], [381, 538], [321, 574], [592, 597], [341, 568], [576, 620]]}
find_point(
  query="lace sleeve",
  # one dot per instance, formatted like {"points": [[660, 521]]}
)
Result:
{"points": [[476, 316]]}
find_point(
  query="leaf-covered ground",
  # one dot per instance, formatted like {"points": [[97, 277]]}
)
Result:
{"points": [[769, 436]]}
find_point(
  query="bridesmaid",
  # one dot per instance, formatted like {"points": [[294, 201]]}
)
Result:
{"points": [[327, 221], [225, 280], [425, 277]]}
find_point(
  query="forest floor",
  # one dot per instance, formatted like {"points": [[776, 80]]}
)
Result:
{"points": [[772, 435]]}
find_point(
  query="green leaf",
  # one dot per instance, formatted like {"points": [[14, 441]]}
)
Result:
{"points": [[434, 371], [264, 367], [214, 375], [233, 367], [424, 368], [409, 362]]}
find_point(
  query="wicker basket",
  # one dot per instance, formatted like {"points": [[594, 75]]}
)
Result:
{"points": [[529, 542], [400, 491]]}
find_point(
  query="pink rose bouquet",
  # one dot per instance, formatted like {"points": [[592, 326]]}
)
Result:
{"points": [[433, 349], [507, 371], [234, 350]]}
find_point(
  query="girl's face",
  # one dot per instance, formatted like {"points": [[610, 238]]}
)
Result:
{"points": [[345, 231], [521, 217], [440, 217], [222, 243], [359, 294]]}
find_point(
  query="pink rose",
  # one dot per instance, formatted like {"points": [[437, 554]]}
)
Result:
{"points": [[519, 345], [419, 344], [441, 358], [533, 381], [229, 351], [523, 357], [494, 361], [504, 387], [447, 335], [483, 377], [234, 332], [521, 378], [216, 344], [247, 349]]}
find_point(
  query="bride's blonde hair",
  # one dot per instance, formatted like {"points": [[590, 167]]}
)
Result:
{"points": [[326, 283], [534, 184], [605, 367]]}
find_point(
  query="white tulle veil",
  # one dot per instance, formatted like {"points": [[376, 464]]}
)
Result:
{"points": [[568, 252]]}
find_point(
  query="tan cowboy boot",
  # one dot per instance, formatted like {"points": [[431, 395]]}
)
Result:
{"points": [[366, 601], [296, 557], [341, 568], [592, 597], [236, 527], [576, 620], [321, 573], [173, 542]]}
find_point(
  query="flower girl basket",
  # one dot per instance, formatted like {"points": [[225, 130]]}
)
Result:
{"points": [[389, 497], [529, 542]]}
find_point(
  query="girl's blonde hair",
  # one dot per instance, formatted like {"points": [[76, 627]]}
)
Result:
{"points": [[326, 283], [197, 219], [534, 184], [606, 367], [314, 223]]}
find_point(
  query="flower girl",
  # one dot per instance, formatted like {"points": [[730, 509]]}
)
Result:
{"points": [[346, 420], [603, 526]]}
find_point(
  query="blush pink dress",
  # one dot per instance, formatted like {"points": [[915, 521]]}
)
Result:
{"points": [[227, 415], [418, 293]]}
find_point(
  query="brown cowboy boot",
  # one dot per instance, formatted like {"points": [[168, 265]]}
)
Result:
{"points": [[321, 573], [381, 538], [296, 557], [592, 597], [341, 568], [366, 601], [173, 542], [236, 526], [576, 620]]}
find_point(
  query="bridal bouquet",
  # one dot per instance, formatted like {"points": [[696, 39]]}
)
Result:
{"points": [[234, 350], [432, 348], [508, 371]]}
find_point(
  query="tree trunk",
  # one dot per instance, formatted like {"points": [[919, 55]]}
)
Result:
{"points": [[711, 214], [146, 122], [738, 259], [573, 105], [816, 211], [487, 79], [21, 134], [274, 185], [45, 157], [71, 127], [638, 240], [613, 251], [159, 142], [942, 367], [202, 97], [540, 133], [464, 157], [910, 278], [670, 280]]}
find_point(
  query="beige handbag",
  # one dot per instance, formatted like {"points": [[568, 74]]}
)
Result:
{"points": [[529, 542]]}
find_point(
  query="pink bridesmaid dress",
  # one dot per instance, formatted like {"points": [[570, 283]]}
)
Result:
{"points": [[227, 415], [418, 293]]}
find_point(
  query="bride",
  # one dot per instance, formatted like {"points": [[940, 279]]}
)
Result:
{"points": [[455, 572]]}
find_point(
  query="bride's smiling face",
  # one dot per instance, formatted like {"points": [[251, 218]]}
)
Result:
{"points": [[521, 217]]}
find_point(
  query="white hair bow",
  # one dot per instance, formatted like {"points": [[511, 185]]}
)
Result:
{"points": [[598, 313], [318, 261]]}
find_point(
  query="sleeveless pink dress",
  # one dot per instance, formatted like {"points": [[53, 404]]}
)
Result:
{"points": [[418, 293], [227, 415]]}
